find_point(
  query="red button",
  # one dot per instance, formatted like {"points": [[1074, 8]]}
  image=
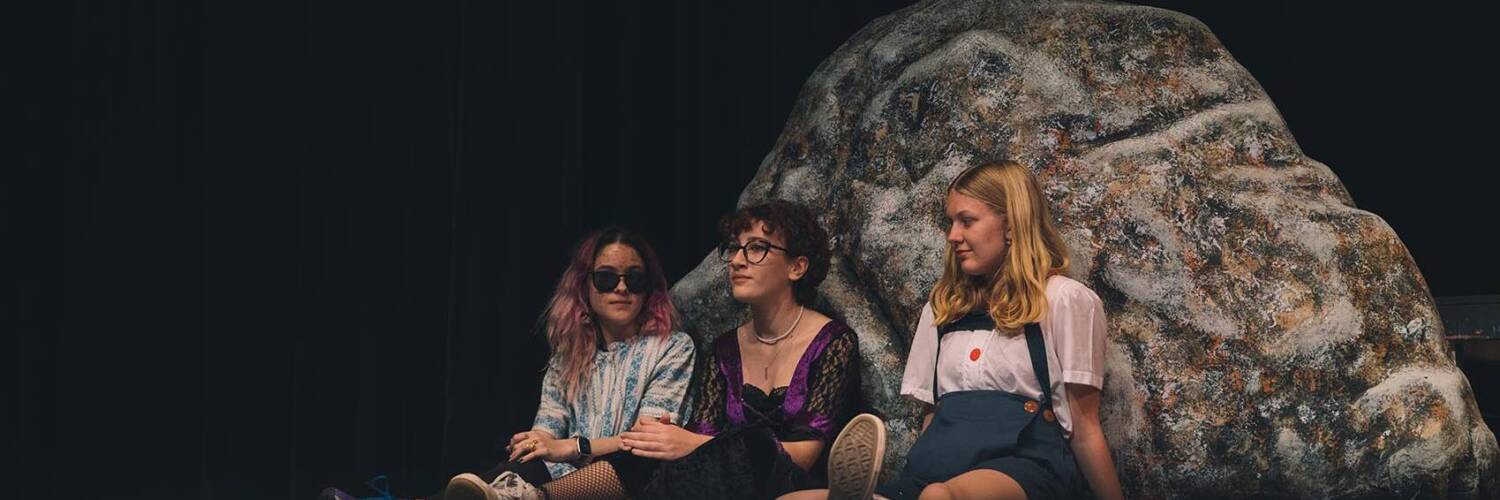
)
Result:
{"points": [[974, 354]]}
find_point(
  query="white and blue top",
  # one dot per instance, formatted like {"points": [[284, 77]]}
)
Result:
{"points": [[1073, 330], [638, 376]]}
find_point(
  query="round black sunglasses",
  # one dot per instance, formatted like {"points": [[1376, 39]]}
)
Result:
{"points": [[635, 281]]}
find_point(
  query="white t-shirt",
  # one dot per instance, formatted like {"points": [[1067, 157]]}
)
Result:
{"points": [[1072, 328]]}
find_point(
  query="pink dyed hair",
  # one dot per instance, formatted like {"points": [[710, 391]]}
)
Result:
{"points": [[570, 326]]}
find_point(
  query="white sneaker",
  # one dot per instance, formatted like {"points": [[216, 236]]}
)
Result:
{"points": [[510, 486], [468, 486], [855, 458], [507, 486]]}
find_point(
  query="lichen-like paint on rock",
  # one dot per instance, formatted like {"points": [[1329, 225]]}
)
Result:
{"points": [[1267, 338]]}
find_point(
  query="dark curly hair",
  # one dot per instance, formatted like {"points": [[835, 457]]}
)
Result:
{"points": [[801, 232]]}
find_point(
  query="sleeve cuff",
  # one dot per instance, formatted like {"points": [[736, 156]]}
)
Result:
{"points": [[1084, 378], [922, 395], [655, 412]]}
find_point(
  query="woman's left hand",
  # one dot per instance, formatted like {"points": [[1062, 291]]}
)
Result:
{"points": [[653, 439], [532, 445]]}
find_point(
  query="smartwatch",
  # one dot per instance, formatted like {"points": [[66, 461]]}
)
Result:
{"points": [[585, 450]]}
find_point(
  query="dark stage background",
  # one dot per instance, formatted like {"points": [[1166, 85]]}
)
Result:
{"points": [[262, 248]]}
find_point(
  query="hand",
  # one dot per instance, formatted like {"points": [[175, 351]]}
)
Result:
{"points": [[530, 445], [652, 438], [665, 418]]}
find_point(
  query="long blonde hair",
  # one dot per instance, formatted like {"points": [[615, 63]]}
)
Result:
{"points": [[1016, 293]]}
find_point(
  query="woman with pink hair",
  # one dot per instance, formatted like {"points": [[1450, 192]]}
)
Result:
{"points": [[615, 359]]}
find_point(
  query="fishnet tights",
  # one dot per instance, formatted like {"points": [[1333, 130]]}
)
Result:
{"points": [[594, 481]]}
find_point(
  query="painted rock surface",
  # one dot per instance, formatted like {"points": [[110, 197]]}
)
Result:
{"points": [[1267, 338]]}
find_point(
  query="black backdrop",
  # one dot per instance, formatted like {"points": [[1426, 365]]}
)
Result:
{"points": [[261, 248]]}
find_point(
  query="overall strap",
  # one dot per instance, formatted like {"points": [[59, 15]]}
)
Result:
{"points": [[1038, 349], [1035, 345], [936, 356], [974, 320]]}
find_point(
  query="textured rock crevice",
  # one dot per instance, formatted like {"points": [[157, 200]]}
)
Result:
{"points": [[1267, 338]]}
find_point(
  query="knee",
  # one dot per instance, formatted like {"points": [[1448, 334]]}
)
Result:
{"points": [[936, 491]]}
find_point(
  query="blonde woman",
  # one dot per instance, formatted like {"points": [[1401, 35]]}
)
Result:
{"points": [[1007, 360]]}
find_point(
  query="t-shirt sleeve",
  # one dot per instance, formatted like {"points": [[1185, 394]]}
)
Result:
{"points": [[554, 415], [669, 378], [1076, 323], [917, 380]]}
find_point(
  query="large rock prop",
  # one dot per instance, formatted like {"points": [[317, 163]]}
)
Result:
{"points": [[1267, 338]]}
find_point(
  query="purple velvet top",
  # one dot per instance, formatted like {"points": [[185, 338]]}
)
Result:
{"points": [[814, 406]]}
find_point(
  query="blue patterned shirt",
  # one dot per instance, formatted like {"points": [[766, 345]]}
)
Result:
{"points": [[642, 375]]}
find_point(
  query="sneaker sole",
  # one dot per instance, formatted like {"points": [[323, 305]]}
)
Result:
{"points": [[854, 461], [468, 486]]}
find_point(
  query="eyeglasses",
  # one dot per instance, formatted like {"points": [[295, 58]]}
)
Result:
{"points": [[635, 281], [755, 251]]}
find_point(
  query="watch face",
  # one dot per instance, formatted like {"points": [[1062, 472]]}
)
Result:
{"points": [[584, 447]]}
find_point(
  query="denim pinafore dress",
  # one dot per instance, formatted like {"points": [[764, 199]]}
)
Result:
{"points": [[991, 429]]}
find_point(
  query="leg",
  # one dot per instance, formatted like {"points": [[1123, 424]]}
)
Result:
{"points": [[805, 495], [982, 483], [534, 472], [595, 480]]}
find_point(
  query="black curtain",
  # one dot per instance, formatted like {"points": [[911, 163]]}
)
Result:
{"points": [[263, 248]]}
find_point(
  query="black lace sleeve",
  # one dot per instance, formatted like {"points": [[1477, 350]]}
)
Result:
{"points": [[708, 407], [833, 391]]}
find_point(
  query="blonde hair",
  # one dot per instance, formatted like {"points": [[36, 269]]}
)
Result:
{"points": [[1016, 293]]}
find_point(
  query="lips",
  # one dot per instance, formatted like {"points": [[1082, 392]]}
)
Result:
{"points": [[738, 277]]}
